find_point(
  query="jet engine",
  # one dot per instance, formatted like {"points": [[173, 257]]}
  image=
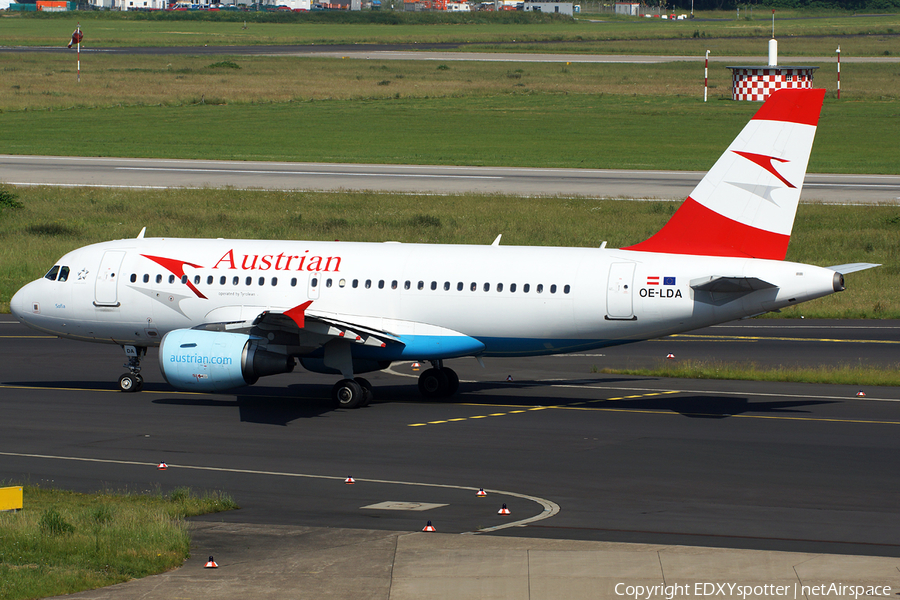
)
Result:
{"points": [[212, 361]]}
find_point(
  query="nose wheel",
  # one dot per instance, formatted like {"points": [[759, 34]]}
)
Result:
{"points": [[129, 382], [132, 381]]}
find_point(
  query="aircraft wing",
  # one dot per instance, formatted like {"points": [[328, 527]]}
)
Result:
{"points": [[302, 331]]}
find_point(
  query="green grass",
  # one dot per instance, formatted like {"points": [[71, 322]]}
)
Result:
{"points": [[540, 130], [856, 375], [63, 542], [105, 29], [54, 221]]}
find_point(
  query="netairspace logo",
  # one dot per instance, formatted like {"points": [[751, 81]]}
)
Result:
{"points": [[734, 590]]}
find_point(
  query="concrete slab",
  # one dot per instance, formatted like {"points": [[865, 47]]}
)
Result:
{"points": [[263, 562]]}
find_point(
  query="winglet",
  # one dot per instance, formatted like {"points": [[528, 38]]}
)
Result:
{"points": [[298, 313], [745, 206]]}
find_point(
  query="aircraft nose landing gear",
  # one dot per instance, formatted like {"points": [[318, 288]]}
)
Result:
{"points": [[132, 381]]}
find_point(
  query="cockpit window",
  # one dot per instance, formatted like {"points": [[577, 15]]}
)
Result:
{"points": [[52, 273], [63, 274]]}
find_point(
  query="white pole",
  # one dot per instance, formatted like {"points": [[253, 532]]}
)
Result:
{"points": [[78, 29], [705, 75], [839, 72]]}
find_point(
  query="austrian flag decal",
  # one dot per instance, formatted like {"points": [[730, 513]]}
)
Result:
{"points": [[654, 280]]}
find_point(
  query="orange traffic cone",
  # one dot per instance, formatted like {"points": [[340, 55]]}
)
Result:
{"points": [[416, 366], [211, 564], [504, 511], [429, 527], [349, 481], [162, 466], [860, 393], [481, 493]]}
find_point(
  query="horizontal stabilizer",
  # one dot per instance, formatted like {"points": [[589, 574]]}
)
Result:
{"points": [[852, 267]]}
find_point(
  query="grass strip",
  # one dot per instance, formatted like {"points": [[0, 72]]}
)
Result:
{"points": [[509, 28], [856, 375], [64, 542]]}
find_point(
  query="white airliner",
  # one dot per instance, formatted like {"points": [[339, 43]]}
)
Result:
{"points": [[226, 312]]}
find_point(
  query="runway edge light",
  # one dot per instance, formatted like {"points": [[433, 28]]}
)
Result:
{"points": [[504, 511], [210, 564], [481, 493], [162, 466], [349, 481], [860, 393], [429, 527]]}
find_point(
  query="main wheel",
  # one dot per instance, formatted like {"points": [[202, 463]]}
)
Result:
{"points": [[139, 383], [433, 383], [368, 392], [346, 393], [130, 383]]}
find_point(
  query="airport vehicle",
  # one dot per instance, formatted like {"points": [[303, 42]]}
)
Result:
{"points": [[226, 312]]}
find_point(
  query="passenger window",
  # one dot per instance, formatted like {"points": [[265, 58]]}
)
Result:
{"points": [[314, 282], [222, 280], [274, 281], [171, 279], [158, 278], [459, 286], [133, 278], [407, 284], [355, 283], [566, 289], [421, 285], [146, 278], [64, 274], [499, 287], [512, 288], [553, 289], [381, 284], [293, 282], [446, 286], [487, 287], [52, 273], [525, 288], [474, 286], [209, 280], [434, 285], [236, 280], [184, 279], [540, 288], [368, 283], [342, 283], [394, 284], [328, 282], [262, 281], [196, 280]]}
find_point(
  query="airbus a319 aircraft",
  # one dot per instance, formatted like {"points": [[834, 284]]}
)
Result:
{"points": [[226, 312]]}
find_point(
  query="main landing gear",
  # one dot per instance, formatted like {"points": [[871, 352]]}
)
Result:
{"points": [[132, 381], [438, 381]]}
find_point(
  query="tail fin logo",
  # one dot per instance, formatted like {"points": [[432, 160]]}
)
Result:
{"points": [[766, 163]]}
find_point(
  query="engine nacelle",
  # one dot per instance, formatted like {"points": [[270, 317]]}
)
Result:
{"points": [[212, 361]]}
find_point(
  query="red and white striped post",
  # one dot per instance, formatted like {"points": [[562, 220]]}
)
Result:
{"points": [[705, 75], [78, 52], [839, 71]]}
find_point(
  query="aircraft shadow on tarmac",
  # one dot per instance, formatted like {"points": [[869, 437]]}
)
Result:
{"points": [[281, 405]]}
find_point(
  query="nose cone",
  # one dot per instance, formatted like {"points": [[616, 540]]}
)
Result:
{"points": [[17, 303]]}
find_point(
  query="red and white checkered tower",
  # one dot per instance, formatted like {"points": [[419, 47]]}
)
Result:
{"points": [[756, 83]]}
